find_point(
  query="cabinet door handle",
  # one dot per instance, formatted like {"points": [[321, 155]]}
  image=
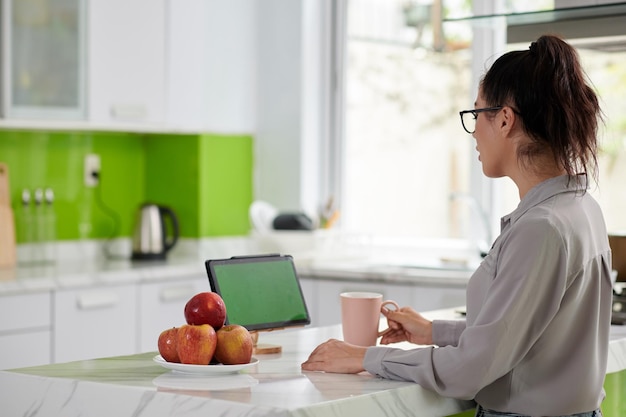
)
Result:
{"points": [[97, 299], [177, 293]]}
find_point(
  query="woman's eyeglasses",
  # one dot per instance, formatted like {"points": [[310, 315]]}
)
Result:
{"points": [[468, 117]]}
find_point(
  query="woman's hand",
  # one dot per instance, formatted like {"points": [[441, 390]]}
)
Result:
{"points": [[336, 356], [407, 325]]}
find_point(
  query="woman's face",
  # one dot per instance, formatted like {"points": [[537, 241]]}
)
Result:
{"points": [[489, 141]]}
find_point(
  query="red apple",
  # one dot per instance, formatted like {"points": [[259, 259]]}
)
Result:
{"points": [[196, 344], [206, 308], [234, 345], [167, 345]]}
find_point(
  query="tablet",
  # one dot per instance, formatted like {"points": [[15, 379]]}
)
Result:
{"points": [[260, 292]]}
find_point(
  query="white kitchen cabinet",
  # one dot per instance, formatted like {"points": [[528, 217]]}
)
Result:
{"points": [[174, 65], [322, 296], [426, 298], [25, 329], [162, 306], [95, 322], [212, 66], [19, 350], [146, 65], [309, 292], [127, 61], [43, 59]]}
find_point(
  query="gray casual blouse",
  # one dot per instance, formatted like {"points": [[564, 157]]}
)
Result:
{"points": [[535, 340]]}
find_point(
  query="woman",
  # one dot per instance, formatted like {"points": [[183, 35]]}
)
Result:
{"points": [[535, 339]]}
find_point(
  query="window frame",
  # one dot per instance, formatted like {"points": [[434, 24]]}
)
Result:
{"points": [[487, 43]]}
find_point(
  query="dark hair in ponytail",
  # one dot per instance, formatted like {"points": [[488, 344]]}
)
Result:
{"points": [[548, 88]]}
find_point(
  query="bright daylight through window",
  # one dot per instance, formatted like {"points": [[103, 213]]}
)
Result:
{"points": [[604, 61], [406, 154], [407, 159]]}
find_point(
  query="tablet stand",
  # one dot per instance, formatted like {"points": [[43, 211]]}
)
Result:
{"points": [[264, 348]]}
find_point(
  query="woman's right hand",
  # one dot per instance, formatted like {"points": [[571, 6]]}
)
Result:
{"points": [[407, 325]]}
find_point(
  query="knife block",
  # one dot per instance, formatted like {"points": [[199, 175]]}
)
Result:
{"points": [[7, 222]]}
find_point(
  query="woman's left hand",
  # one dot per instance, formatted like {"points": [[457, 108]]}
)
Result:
{"points": [[336, 356]]}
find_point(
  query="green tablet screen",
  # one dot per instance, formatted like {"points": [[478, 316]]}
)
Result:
{"points": [[260, 292]]}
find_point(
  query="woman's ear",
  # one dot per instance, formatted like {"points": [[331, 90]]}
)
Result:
{"points": [[507, 119]]}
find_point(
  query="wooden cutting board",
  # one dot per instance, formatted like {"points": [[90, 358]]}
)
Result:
{"points": [[7, 224]]}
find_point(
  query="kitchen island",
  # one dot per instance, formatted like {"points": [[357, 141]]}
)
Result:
{"points": [[137, 386]]}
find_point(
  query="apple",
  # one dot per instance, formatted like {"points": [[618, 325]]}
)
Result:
{"points": [[234, 345], [167, 345], [196, 343], [206, 308]]}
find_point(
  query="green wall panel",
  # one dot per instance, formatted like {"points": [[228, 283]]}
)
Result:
{"points": [[206, 179], [226, 185], [122, 177], [614, 404], [39, 159], [172, 169]]}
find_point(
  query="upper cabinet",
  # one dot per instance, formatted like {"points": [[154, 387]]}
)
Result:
{"points": [[133, 65], [126, 62], [212, 67], [43, 59]]}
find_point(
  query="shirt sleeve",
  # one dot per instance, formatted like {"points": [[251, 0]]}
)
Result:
{"points": [[519, 303], [447, 332]]}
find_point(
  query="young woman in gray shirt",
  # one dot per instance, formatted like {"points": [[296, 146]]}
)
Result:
{"points": [[535, 339]]}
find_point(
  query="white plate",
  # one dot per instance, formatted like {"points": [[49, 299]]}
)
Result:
{"points": [[179, 381], [217, 369]]}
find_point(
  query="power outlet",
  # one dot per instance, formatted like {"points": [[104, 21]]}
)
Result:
{"points": [[92, 170]]}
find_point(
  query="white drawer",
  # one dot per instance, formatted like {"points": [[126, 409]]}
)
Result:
{"points": [[162, 306], [25, 311], [95, 322], [25, 349]]}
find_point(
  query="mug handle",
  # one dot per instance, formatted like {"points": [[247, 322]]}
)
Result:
{"points": [[384, 303]]}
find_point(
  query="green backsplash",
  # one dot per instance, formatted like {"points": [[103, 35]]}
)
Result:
{"points": [[205, 178]]}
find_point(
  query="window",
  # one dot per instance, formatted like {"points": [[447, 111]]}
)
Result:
{"points": [[604, 61], [406, 162], [406, 157], [607, 70]]}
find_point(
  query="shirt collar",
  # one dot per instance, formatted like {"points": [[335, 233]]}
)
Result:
{"points": [[543, 191]]}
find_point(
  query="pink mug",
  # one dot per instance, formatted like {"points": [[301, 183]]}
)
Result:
{"points": [[360, 316]]}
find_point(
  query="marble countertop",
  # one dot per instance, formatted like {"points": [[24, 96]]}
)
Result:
{"points": [[433, 273], [137, 386], [83, 269], [77, 274]]}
